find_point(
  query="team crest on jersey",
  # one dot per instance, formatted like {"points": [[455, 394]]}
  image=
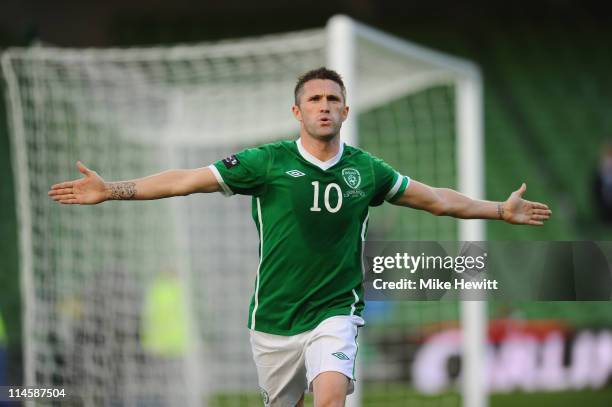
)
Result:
{"points": [[351, 177]]}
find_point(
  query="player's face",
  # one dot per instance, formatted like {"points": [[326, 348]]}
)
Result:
{"points": [[321, 108]]}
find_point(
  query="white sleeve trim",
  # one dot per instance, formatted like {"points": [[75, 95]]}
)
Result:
{"points": [[395, 187], [225, 190]]}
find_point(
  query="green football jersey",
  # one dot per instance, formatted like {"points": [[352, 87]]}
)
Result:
{"points": [[312, 219]]}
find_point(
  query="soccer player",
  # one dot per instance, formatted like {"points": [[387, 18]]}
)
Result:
{"points": [[311, 198]]}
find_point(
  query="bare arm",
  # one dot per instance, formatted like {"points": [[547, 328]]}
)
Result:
{"points": [[448, 202], [92, 189]]}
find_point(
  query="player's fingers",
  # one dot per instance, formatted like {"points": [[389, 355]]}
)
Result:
{"points": [[69, 201], [542, 211], [54, 192], [535, 223], [521, 190], [540, 217], [67, 184], [63, 197], [82, 168], [60, 191], [538, 205]]}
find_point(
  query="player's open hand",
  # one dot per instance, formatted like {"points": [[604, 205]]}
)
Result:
{"points": [[85, 191], [519, 211]]}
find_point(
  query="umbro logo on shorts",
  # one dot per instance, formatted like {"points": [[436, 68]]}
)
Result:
{"points": [[265, 397], [295, 173], [340, 356]]}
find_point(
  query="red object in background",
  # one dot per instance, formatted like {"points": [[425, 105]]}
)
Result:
{"points": [[500, 329]]}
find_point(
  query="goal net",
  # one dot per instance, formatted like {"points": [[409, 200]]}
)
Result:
{"points": [[145, 303]]}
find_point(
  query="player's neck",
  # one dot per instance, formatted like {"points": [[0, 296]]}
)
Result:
{"points": [[322, 149]]}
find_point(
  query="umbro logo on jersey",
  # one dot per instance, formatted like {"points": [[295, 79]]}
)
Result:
{"points": [[295, 173], [340, 356]]}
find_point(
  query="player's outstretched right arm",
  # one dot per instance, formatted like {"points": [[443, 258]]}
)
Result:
{"points": [[92, 189]]}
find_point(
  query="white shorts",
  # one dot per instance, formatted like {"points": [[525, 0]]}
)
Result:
{"points": [[287, 365]]}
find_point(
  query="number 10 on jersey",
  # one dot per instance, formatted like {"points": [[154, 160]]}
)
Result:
{"points": [[328, 188]]}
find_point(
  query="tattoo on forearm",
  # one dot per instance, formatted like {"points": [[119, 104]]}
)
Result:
{"points": [[121, 190], [500, 210]]}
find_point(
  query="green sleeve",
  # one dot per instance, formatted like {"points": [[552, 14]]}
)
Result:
{"points": [[243, 173], [389, 183]]}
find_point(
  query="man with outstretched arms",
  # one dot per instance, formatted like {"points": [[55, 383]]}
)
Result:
{"points": [[311, 198]]}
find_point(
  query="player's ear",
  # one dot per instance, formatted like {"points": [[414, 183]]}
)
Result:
{"points": [[344, 113], [296, 113]]}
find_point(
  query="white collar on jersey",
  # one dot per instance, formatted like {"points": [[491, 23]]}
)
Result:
{"points": [[324, 165]]}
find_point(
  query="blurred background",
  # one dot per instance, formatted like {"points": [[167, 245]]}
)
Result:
{"points": [[547, 121]]}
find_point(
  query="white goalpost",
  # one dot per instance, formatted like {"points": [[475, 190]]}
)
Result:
{"points": [[432, 68], [145, 303]]}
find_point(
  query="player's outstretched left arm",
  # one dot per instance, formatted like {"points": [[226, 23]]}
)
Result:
{"points": [[448, 202]]}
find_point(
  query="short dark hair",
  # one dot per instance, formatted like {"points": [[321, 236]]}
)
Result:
{"points": [[319, 73]]}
